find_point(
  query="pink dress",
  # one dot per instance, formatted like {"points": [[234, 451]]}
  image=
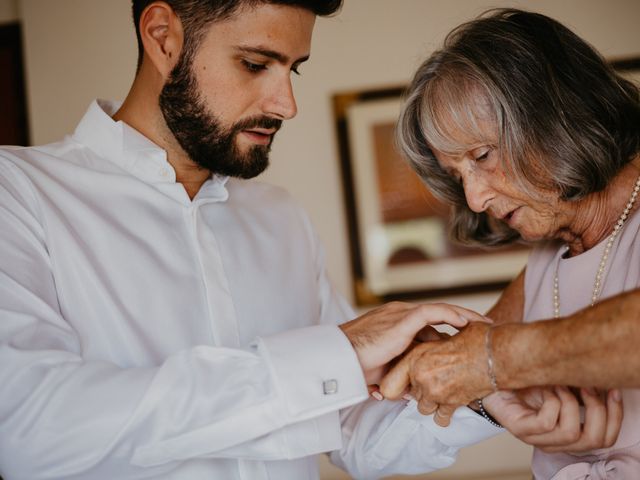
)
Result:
{"points": [[576, 277]]}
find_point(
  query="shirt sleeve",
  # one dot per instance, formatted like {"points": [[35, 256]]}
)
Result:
{"points": [[66, 416], [386, 438]]}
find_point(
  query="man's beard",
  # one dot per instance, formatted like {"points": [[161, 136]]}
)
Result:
{"points": [[200, 133]]}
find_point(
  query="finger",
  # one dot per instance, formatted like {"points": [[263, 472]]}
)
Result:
{"points": [[439, 313], [569, 426], [443, 414], [374, 391], [593, 429], [430, 334], [595, 422], [615, 412], [536, 426], [472, 316], [397, 380], [426, 406], [548, 415]]}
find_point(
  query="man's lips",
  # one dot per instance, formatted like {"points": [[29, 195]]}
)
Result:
{"points": [[261, 136]]}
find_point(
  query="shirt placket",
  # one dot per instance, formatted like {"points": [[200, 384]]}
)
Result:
{"points": [[222, 314]]}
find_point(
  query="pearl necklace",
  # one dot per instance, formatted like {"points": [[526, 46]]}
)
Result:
{"points": [[597, 286]]}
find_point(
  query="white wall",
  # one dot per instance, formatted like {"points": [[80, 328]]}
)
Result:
{"points": [[77, 50]]}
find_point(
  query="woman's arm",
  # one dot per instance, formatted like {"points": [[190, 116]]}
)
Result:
{"points": [[595, 347], [510, 306]]}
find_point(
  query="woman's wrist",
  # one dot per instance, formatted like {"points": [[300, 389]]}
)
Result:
{"points": [[488, 348]]}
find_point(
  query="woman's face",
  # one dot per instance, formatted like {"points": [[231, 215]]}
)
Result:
{"points": [[488, 189]]}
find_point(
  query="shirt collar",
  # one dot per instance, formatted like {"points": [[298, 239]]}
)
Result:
{"points": [[133, 152]]}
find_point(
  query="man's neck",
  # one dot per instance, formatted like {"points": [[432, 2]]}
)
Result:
{"points": [[141, 111]]}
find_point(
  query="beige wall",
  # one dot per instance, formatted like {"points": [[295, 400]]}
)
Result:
{"points": [[81, 49], [8, 11]]}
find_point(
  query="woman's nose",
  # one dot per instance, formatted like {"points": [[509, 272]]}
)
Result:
{"points": [[478, 194]]}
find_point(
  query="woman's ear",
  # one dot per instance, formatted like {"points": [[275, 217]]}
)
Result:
{"points": [[162, 36]]}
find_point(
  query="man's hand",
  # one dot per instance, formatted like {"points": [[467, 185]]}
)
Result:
{"points": [[549, 418], [443, 375], [382, 334]]}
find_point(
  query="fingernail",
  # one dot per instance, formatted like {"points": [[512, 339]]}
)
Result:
{"points": [[616, 394], [377, 395], [463, 318], [407, 397], [589, 391], [487, 319]]}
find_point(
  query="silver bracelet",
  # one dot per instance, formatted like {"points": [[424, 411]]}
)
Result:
{"points": [[487, 347], [486, 416]]}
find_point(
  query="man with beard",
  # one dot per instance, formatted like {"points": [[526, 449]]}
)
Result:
{"points": [[161, 320]]}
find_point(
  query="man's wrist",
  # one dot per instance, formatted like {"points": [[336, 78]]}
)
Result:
{"points": [[483, 412]]}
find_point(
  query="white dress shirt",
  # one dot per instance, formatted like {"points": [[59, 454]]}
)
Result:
{"points": [[147, 335]]}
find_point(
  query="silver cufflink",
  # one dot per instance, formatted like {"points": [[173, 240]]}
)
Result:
{"points": [[329, 387]]}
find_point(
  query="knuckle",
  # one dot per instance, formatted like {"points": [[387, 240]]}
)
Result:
{"points": [[547, 425], [573, 435], [421, 376]]}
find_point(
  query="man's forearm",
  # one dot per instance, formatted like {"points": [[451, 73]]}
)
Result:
{"points": [[596, 347]]}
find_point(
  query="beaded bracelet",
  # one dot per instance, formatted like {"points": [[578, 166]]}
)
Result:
{"points": [[486, 415]]}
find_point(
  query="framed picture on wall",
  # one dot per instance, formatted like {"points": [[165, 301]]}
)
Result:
{"points": [[397, 229]]}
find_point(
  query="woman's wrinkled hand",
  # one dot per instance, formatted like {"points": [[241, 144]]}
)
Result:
{"points": [[443, 375]]}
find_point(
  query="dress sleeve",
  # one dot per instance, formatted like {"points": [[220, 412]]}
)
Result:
{"points": [[65, 416]]}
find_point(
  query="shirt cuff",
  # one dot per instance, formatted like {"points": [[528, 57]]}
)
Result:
{"points": [[315, 370]]}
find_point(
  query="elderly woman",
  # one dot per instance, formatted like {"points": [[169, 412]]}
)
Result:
{"points": [[531, 136]]}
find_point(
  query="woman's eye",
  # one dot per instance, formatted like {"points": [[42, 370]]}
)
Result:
{"points": [[483, 155], [253, 67]]}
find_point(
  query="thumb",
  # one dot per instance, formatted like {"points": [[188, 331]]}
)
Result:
{"points": [[397, 380]]}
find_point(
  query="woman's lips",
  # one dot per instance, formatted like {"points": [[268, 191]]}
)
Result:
{"points": [[510, 217]]}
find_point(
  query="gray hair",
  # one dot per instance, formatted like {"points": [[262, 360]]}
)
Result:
{"points": [[565, 120]]}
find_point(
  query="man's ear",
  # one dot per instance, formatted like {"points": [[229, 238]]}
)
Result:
{"points": [[162, 36]]}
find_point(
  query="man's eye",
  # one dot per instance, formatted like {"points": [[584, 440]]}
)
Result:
{"points": [[253, 67]]}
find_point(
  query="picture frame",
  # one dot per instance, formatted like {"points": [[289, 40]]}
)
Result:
{"points": [[629, 68], [397, 230], [14, 128]]}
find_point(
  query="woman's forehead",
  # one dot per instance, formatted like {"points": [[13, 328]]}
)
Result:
{"points": [[458, 117]]}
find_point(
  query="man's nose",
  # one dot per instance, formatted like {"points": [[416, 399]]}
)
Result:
{"points": [[281, 102]]}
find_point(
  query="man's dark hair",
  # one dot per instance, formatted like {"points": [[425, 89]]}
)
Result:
{"points": [[197, 15]]}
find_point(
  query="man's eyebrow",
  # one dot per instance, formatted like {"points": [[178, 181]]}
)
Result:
{"points": [[266, 52]]}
